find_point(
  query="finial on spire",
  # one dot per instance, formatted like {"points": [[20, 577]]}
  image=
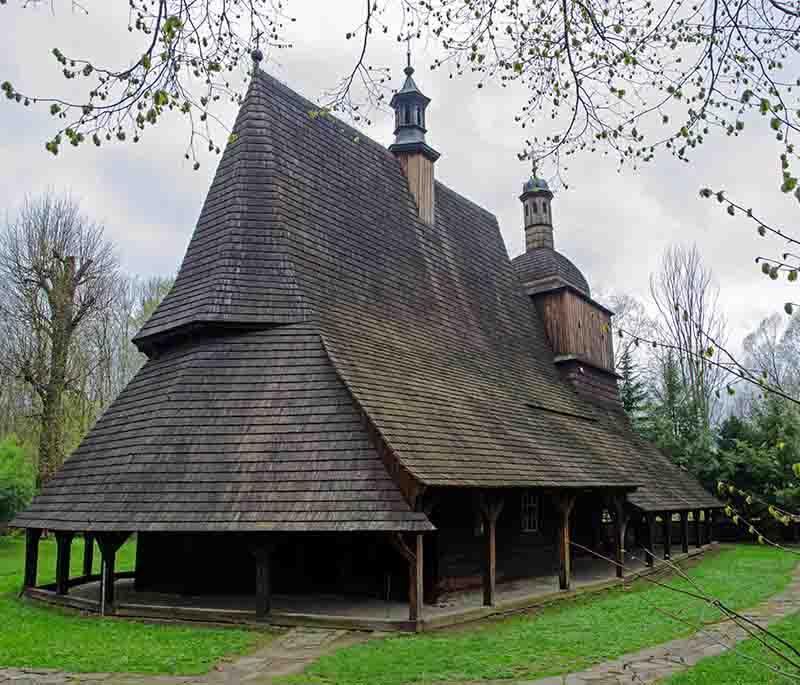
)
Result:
{"points": [[409, 69], [257, 55]]}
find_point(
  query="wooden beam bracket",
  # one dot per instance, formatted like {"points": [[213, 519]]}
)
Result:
{"points": [[490, 506], [413, 555], [109, 544]]}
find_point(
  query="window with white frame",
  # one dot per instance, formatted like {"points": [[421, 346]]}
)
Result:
{"points": [[530, 512]]}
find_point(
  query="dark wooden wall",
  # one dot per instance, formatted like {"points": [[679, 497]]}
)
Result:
{"points": [[367, 564], [202, 563], [520, 554], [592, 383]]}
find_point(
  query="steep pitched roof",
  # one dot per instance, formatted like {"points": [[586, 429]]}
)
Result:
{"points": [[237, 269], [245, 432], [311, 296]]}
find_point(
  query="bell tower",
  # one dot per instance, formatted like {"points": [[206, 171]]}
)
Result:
{"points": [[536, 199], [578, 327]]}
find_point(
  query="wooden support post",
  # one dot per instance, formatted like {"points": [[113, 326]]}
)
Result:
{"points": [[650, 525], [109, 544], [427, 503], [32, 537], [564, 503], [666, 522], [698, 538], [489, 562], [490, 508], [621, 518], [263, 556], [88, 553], [709, 526], [63, 554], [416, 591], [685, 532], [413, 555]]}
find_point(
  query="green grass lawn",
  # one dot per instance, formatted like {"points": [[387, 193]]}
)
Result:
{"points": [[564, 638], [44, 637], [736, 667]]}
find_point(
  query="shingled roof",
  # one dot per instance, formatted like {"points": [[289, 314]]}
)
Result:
{"points": [[313, 306], [544, 263], [249, 431]]}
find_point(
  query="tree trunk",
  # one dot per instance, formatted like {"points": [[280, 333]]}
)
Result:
{"points": [[51, 440]]}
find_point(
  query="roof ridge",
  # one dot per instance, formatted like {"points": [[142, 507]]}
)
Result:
{"points": [[365, 137], [315, 107]]}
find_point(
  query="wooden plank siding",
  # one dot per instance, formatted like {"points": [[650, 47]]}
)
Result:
{"points": [[418, 169], [576, 327]]}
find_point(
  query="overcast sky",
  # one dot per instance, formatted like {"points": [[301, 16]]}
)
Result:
{"points": [[614, 226]]}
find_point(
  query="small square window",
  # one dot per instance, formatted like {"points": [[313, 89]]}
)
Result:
{"points": [[530, 512]]}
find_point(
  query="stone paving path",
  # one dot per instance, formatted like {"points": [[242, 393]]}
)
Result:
{"points": [[286, 654], [295, 649], [655, 663]]}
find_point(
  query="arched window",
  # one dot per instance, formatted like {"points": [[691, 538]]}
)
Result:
{"points": [[407, 113], [419, 116]]}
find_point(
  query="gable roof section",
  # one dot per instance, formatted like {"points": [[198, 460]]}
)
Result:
{"points": [[247, 432]]}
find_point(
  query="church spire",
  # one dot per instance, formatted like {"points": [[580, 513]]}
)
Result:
{"points": [[409, 105], [416, 157]]}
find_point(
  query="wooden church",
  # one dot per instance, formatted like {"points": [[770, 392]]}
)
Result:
{"points": [[352, 389]]}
